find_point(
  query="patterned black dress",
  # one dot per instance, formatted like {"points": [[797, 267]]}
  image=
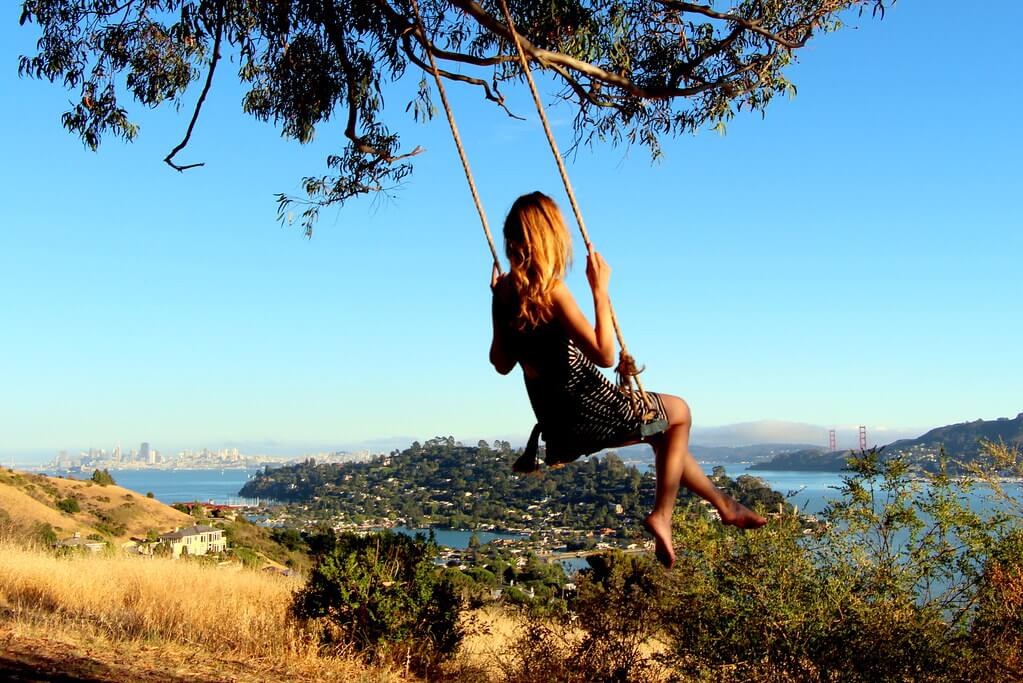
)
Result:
{"points": [[578, 410]]}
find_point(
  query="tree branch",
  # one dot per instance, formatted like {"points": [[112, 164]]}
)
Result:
{"points": [[744, 23], [547, 59], [202, 98], [406, 42], [337, 39]]}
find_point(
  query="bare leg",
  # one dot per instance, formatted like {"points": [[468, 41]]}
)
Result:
{"points": [[675, 466]]}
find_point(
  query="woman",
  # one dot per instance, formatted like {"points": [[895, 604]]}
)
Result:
{"points": [[539, 326]]}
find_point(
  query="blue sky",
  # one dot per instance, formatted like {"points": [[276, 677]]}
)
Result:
{"points": [[852, 258]]}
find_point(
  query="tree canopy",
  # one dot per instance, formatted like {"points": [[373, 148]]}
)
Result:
{"points": [[633, 71]]}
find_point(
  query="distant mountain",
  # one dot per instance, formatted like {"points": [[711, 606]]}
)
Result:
{"points": [[960, 442], [806, 460]]}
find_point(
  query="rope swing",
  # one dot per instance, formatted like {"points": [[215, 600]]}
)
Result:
{"points": [[627, 371], [458, 140]]}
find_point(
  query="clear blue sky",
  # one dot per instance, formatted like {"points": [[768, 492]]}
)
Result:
{"points": [[853, 258]]}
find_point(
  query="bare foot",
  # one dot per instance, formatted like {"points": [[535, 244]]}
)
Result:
{"points": [[740, 516], [660, 529]]}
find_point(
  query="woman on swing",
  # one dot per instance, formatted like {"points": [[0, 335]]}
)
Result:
{"points": [[538, 325]]}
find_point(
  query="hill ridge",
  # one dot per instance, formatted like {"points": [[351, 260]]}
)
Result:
{"points": [[31, 501]]}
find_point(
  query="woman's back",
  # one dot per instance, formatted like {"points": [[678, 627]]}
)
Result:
{"points": [[579, 410]]}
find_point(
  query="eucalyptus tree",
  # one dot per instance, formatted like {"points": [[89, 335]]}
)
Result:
{"points": [[632, 71]]}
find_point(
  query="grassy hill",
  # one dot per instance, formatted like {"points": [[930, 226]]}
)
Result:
{"points": [[35, 506], [127, 618], [115, 616], [30, 501]]}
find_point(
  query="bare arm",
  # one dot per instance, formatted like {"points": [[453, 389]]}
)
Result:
{"points": [[500, 355], [597, 342]]}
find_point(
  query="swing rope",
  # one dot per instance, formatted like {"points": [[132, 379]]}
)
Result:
{"points": [[458, 140], [628, 373]]}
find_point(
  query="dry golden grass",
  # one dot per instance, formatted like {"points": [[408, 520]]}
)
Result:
{"points": [[237, 615], [30, 498], [24, 510]]}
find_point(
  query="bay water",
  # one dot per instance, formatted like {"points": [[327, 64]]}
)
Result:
{"points": [[810, 491]]}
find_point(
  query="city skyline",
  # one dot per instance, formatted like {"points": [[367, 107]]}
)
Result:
{"points": [[849, 259], [739, 434]]}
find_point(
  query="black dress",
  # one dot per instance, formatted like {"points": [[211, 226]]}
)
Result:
{"points": [[578, 410]]}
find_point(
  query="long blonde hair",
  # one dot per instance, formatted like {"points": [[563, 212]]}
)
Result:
{"points": [[539, 251]]}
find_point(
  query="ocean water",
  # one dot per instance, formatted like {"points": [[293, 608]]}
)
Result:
{"points": [[456, 538], [810, 491], [182, 486]]}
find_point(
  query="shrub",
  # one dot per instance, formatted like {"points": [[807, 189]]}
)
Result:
{"points": [[69, 505], [248, 557], [102, 477], [44, 533], [997, 630], [617, 609], [605, 637], [380, 591], [905, 582]]}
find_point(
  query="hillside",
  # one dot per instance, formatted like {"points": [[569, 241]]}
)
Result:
{"points": [[116, 513], [806, 460], [444, 483], [960, 442], [119, 618]]}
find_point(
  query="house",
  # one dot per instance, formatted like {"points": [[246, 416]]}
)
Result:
{"points": [[76, 541], [195, 540]]}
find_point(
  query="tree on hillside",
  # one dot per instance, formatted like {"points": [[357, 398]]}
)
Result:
{"points": [[102, 477], [632, 72]]}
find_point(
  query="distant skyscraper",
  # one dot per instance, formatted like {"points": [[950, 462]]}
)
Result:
{"points": [[144, 452]]}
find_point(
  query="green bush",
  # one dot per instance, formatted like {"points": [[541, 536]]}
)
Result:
{"points": [[44, 533], [904, 582], [382, 593], [248, 557], [69, 505], [996, 633], [102, 477], [616, 606]]}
